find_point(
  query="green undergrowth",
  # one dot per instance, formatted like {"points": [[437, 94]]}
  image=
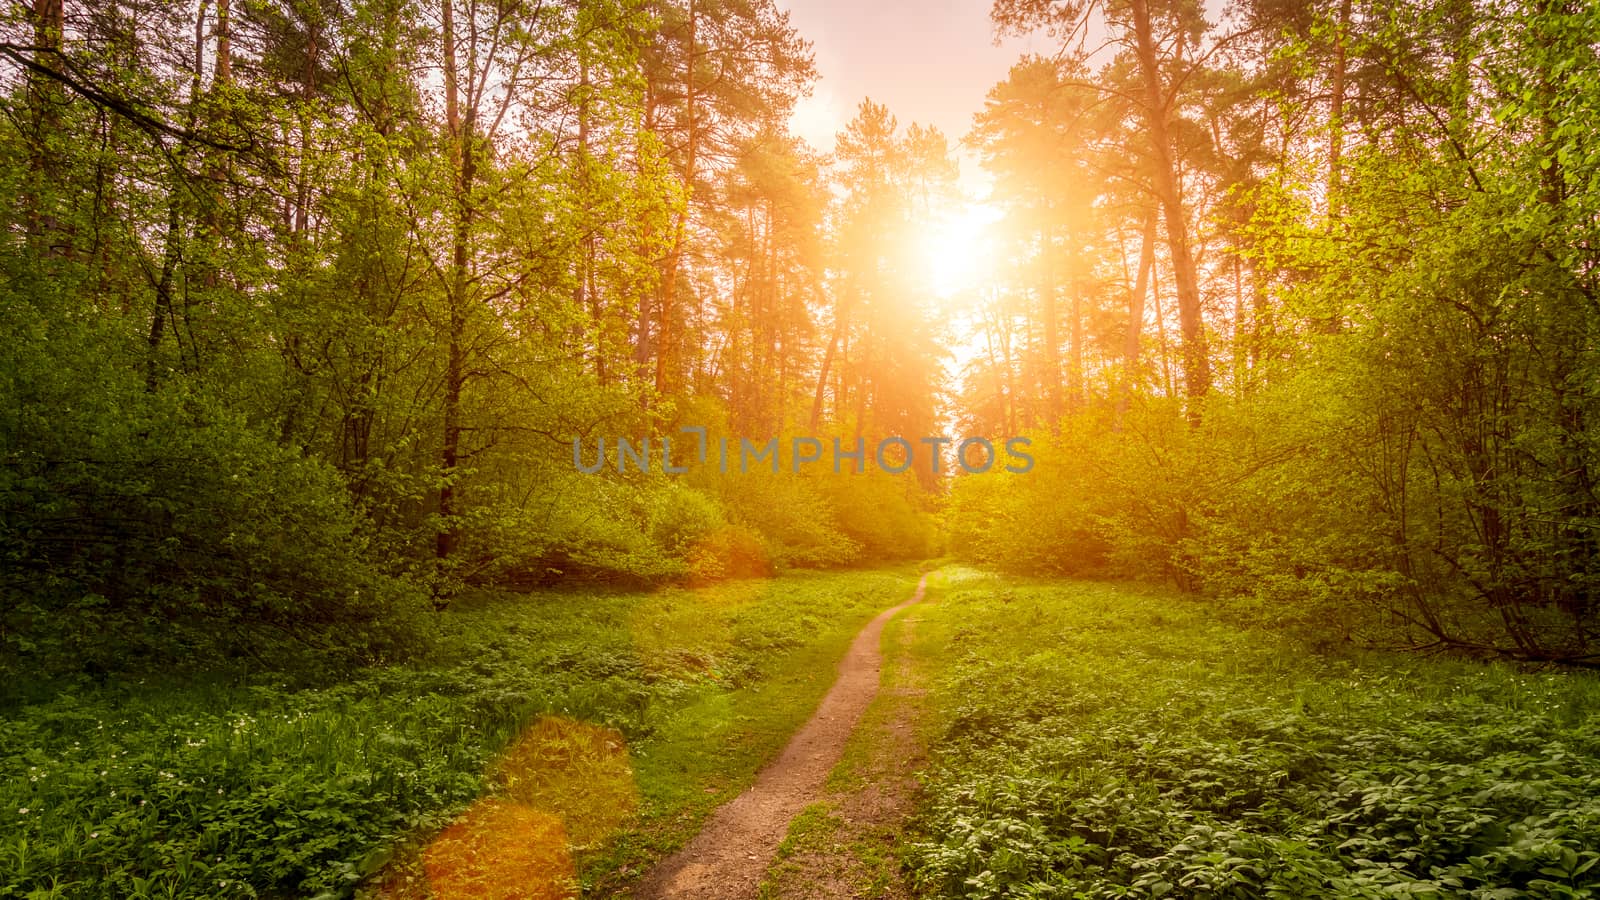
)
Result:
{"points": [[252, 788], [1100, 741]]}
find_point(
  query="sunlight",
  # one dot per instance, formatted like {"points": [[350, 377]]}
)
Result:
{"points": [[955, 250]]}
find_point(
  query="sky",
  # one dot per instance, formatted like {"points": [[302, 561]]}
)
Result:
{"points": [[929, 61]]}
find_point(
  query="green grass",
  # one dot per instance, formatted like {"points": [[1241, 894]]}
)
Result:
{"points": [[1098, 740], [250, 788]]}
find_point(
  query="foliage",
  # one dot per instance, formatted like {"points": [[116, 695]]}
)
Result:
{"points": [[145, 528], [1106, 742], [1400, 438]]}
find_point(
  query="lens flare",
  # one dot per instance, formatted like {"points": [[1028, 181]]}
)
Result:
{"points": [[955, 248]]}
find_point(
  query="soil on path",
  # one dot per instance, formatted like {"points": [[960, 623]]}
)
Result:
{"points": [[845, 847], [728, 859]]}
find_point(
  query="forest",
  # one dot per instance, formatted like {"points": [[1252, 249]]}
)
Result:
{"points": [[1239, 434]]}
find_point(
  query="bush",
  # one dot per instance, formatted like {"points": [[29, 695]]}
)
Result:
{"points": [[142, 529], [729, 552], [797, 524]]}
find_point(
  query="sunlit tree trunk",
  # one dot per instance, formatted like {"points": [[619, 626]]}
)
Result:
{"points": [[1077, 395], [1336, 110], [1131, 338], [669, 315], [1196, 359], [1050, 354], [836, 344], [1162, 344]]}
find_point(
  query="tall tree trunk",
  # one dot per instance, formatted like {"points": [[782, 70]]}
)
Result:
{"points": [[172, 241], [1077, 393], [1131, 337], [1050, 358], [822, 379], [1196, 359], [1171, 388], [45, 99], [217, 170], [1336, 110], [1241, 337], [669, 317], [584, 296], [644, 312], [49, 19], [163, 289], [1006, 337], [462, 159], [224, 69]]}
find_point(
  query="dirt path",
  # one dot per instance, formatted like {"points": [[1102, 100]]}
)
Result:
{"points": [[729, 857], [844, 847]]}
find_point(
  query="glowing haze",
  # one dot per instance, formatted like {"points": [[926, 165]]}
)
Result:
{"points": [[929, 61]]}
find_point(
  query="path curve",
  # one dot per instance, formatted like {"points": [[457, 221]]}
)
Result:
{"points": [[729, 857]]}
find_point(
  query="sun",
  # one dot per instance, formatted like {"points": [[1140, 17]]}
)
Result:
{"points": [[956, 249]]}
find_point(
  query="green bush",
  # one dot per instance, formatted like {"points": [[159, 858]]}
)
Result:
{"points": [[148, 529]]}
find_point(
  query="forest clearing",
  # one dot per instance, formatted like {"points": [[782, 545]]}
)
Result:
{"points": [[1061, 737]]}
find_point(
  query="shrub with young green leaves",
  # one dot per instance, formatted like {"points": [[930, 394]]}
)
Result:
{"points": [[140, 528]]}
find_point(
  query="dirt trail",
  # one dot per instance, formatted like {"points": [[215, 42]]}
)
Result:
{"points": [[729, 857], [846, 849]]}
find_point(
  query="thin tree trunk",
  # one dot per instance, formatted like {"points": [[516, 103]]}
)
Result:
{"points": [[1241, 369], [462, 157], [1131, 337], [1196, 359], [44, 100], [172, 241], [1161, 331], [1336, 111], [1050, 358], [841, 325], [669, 324], [1076, 390], [224, 70]]}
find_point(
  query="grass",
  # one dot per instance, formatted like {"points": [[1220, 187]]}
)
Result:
{"points": [[536, 710], [1097, 740], [1088, 740]]}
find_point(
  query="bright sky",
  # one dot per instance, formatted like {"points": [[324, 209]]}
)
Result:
{"points": [[929, 61]]}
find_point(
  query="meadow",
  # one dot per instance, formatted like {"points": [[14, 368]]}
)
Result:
{"points": [[1085, 740], [252, 787], [1098, 740]]}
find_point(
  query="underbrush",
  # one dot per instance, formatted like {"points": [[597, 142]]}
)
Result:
{"points": [[256, 789], [1104, 741]]}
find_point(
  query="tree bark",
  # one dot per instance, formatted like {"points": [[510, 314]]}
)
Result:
{"points": [[1051, 357], [1336, 111], [669, 319], [455, 351], [1196, 358], [1131, 337]]}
